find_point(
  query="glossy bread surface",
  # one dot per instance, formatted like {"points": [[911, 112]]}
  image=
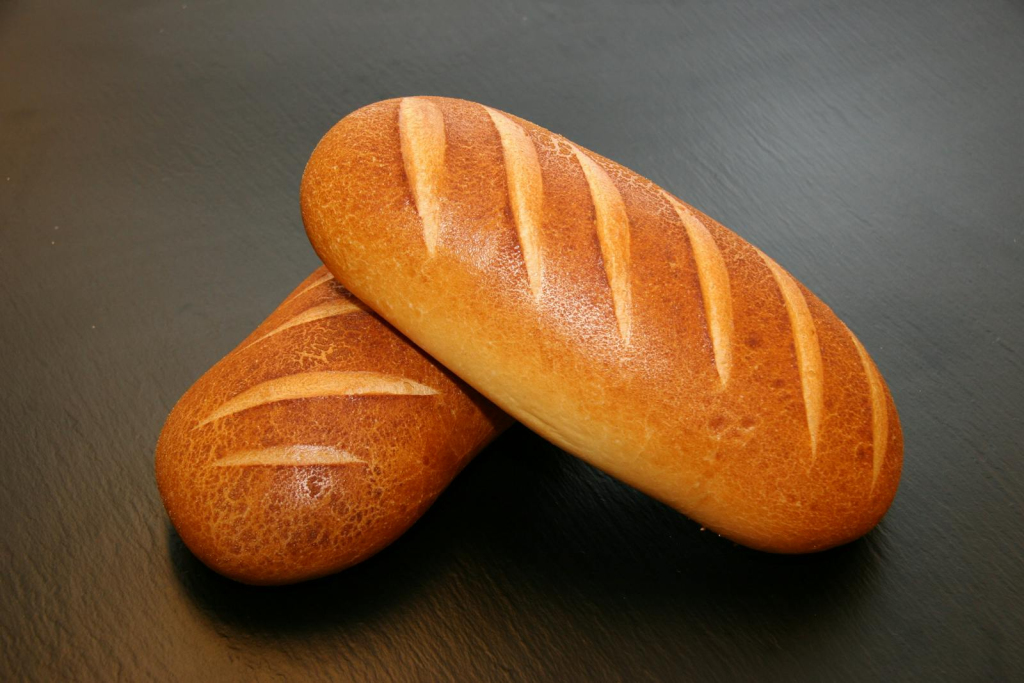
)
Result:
{"points": [[615, 320], [315, 443]]}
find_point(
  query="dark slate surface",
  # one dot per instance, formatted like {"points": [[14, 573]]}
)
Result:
{"points": [[150, 156]]}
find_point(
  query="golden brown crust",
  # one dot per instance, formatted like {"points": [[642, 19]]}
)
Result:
{"points": [[315, 443], [629, 328]]}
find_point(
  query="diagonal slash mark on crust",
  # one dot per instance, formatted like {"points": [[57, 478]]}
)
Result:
{"points": [[525, 192], [879, 411], [422, 134], [808, 350], [313, 285], [314, 313], [318, 385], [297, 455], [613, 237], [713, 277]]}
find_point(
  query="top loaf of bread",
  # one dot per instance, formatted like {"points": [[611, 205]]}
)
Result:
{"points": [[610, 317]]}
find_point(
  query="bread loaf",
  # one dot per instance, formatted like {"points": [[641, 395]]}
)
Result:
{"points": [[609, 316], [315, 443]]}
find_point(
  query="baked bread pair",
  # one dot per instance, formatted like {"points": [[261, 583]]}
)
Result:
{"points": [[586, 302]]}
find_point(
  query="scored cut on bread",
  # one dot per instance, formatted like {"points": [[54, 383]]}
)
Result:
{"points": [[610, 317], [315, 443]]}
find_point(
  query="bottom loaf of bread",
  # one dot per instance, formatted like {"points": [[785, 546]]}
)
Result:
{"points": [[315, 443]]}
